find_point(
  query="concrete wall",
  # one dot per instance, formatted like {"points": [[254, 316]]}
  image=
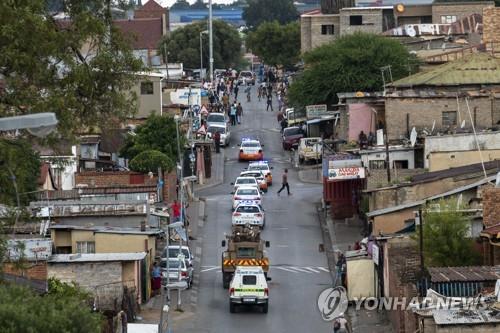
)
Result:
{"points": [[147, 104], [394, 155], [481, 328], [450, 151], [392, 222], [491, 24], [459, 9], [103, 279], [120, 243], [378, 178], [310, 30], [423, 111], [372, 21], [61, 238]]}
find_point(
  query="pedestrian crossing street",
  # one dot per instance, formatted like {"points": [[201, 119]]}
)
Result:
{"points": [[283, 268]]}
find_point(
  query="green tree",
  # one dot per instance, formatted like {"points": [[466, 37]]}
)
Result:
{"points": [[22, 310], [351, 63], [157, 134], [199, 5], [276, 44], [446, 240], [259, 11], [150, 161], [19, 167], [81, 68], [180, 5], [183, 45]]}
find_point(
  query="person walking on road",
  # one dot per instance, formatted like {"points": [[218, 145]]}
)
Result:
{"points": [[236, 89], [284, 181], [239, 112], [217, 142], [269, 102], [232, 114]]}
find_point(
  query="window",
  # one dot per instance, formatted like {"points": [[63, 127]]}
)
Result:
{"points": [[85, 247], [246, 252], [327, 29], [249, 280], [147, 88], [355, 20], [449, 118], [376, 164], [402, 164], [448, 19]]}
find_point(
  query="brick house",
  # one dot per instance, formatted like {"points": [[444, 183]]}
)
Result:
{"points": [[491, 220], [451, 11], [453, 96]]}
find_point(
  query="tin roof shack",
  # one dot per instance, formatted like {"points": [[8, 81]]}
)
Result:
{"points": [[445, 99], [467, 281], [461, 320], [26, 262], [105, 275], [451, 151], [429, 184], [96, 212], [490, 236], [394, 219]]}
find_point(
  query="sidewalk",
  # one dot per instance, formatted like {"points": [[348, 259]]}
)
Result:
{"points": [[311, 174], [217, 176], [150, 312], [338, 235]]}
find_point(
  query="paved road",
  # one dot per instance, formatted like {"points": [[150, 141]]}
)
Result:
{"points": [[299, 272]]}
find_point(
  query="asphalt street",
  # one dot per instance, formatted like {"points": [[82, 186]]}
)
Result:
{"points": [[299, 272]]}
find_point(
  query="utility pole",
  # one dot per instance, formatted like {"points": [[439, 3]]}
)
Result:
{"points": [[421, 241], [177, 120], [387, 160], [166, 59], [211, 41]]}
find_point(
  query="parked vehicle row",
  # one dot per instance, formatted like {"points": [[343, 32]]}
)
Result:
{"points": [[180, 264]]}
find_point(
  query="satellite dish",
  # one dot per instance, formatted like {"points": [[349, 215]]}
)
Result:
{"points": [[433, 126], [459, 201], [462, 125], [413, 136], [410, 30], [497, 290], [497, 183]]}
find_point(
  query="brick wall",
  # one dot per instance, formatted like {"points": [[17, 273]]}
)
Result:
{"points": [[423, 111], [113, 178], [461, 9], [491, 206], [103, 279], [372, 21], [378, 178], [36, 271], [403, 265], [491, 24]]}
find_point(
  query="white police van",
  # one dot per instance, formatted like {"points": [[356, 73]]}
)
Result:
{"points": [[248, 288]]}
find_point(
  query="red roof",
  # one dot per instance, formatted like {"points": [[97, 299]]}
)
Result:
{"points": [[152, 5], [145, 33], [491, 232], [44, 173], [316, 11]]}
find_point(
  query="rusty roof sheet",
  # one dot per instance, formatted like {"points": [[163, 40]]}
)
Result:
{"points": [[491, 232], [478, 68], [464, 274]]}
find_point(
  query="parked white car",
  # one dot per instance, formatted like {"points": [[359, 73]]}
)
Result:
{"points": [[225, 134], [309, 149], [249, 212], [216, 118]]}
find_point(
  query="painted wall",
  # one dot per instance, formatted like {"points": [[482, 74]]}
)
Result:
{"points": [[361, 118]]}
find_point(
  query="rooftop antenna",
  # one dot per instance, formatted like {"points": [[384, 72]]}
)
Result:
{"points": [[475, 136], [413, 137], [384, 70]]}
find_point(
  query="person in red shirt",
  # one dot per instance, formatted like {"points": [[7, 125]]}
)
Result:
{"points": [[176, 210]]}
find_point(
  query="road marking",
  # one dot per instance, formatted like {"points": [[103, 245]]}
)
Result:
{"points": [[312, 269], [323, 269], [300, 269], [209, 269], [198, 251], [279, 228], [285, 269]]}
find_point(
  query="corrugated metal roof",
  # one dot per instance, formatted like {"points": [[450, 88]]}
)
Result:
{"points": [[478, 68], [465, 316], [464, 274], [453, 172], [87, 257], [434, 197]]}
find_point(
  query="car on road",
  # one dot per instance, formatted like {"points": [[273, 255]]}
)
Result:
{"points": [[291, 137], [246, 77], [309, 149], [172, 251], [216, 118], [249, 288], [250, 150], [246, 193], [259, 176], [176, 267], [264, 167], [245, 181], [225, 134], [249, 212]]}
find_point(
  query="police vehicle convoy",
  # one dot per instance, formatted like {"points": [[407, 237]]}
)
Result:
{"points": [[248, 287]]}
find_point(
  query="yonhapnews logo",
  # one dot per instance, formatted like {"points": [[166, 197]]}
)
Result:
{"points": [[332, 303]]}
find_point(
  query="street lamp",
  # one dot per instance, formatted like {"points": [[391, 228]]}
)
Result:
{"points": [[38, 124], [211, 41], [201, 51]]}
